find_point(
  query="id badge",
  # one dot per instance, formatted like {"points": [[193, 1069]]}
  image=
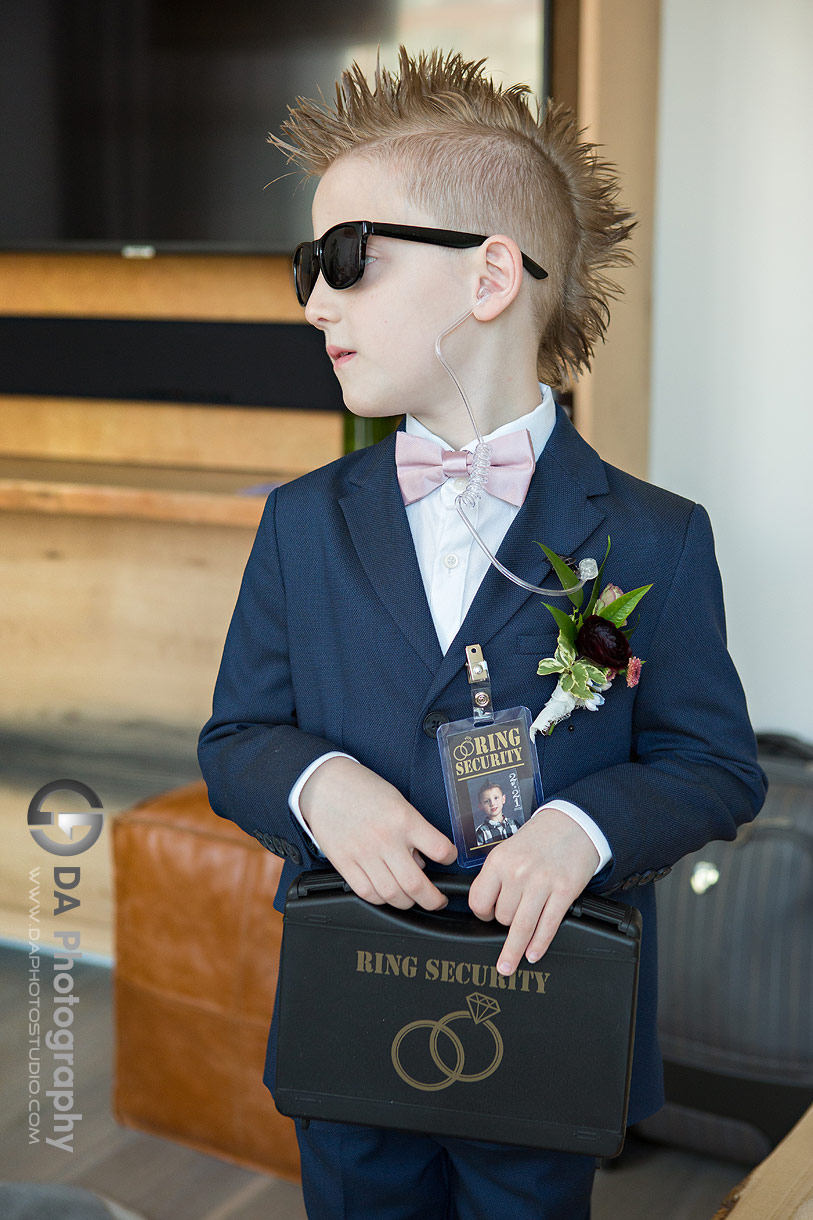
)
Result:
{"points": [[490, 770]]}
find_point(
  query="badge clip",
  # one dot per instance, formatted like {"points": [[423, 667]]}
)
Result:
{"points": [[480, 685]]}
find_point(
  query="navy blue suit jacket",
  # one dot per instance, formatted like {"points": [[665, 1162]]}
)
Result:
{"points": [[332, 646]]}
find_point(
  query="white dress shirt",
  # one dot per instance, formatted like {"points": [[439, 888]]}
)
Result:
{"points": [[452, 566]]}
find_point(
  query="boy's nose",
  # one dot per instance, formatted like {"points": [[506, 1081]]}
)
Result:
{"points": [[323, 305]]}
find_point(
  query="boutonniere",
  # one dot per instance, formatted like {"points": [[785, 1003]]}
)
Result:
{"points": [[592, 648]]}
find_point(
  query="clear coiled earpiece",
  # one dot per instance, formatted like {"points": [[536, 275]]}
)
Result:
{"points": [[478, 478]]}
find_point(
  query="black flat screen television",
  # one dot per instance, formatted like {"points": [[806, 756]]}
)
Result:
{"points": [[144, 122]]}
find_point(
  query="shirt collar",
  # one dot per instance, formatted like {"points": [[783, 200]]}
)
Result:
{"points": [[539, 422]]}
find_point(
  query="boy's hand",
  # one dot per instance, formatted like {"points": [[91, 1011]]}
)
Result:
{"points": [[530, 880], [373, 836]]}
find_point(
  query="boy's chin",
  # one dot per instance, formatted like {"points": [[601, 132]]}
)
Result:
{"points": [[369, 410]]}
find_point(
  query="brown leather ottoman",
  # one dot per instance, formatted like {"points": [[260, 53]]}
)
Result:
{"points": [[197, 946]]}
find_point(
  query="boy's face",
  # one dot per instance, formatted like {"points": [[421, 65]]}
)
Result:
{"points": [[389, 320], [491, 803]]}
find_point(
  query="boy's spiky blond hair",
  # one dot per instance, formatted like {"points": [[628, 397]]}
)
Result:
{"points": [[474, 156]]}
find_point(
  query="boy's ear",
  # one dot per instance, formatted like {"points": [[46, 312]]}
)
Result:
{"points": [[499, 276]]}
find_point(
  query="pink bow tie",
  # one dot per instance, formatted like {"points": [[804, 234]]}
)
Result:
{"points": [[423, 466]]}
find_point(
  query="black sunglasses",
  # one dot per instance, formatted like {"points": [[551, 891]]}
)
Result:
{"points": [[339, 254]]}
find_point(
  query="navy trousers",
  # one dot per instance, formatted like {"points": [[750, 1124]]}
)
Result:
{"points": [[366, 1173]]}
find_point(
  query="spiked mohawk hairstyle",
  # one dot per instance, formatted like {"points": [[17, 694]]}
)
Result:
{"points": [[474, 156]]}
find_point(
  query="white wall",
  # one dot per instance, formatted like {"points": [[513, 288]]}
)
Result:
{"points": [[732, 408]]}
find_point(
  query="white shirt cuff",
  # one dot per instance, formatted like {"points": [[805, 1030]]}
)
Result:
{"points": [[594, 834], [294, 794]]}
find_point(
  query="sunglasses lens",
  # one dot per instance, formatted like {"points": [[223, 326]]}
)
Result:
{"points": [[306, 269], [340, 262], [341, 256]]}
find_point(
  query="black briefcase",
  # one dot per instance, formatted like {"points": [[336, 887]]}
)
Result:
{"points": [[399, 1019]]}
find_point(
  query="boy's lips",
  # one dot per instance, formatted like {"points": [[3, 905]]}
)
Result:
{"points": [[340, 355]]}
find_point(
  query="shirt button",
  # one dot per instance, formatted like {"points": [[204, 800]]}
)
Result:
{"points": [[460, 484], [451, 561]]}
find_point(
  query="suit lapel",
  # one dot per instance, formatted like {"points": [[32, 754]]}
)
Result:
{"points": [[377, 521], [559, 511]]}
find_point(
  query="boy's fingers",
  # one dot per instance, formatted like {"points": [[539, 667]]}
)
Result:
{"points": [[399, 883], [555, 910], [523, 927], [359, 882], [507, 905], [427, 895], [483, 894], [388, 886], [532, 937], [415, 884], [430, 842]]}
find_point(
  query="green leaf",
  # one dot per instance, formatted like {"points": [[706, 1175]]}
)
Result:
{"points": [[564, 622], [548, 666], [594, 673], [597, 583], [628, 631], [618, 611], [565, 574], [567, 683], [581, 689], [565, 653]]}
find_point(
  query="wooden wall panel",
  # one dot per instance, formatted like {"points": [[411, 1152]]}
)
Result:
{"points": [[229, 288], [618, 103], [106, 615], [170, 434], [112, 618]]}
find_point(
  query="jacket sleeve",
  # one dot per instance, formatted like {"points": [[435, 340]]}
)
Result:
{"points": [[251, 751], [693, 774]]}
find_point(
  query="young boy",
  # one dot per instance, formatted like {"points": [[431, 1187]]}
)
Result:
{"points": [[495, 825], [346, 649]]}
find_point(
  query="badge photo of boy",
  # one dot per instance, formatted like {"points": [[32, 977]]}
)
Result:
{"points": [[363, 587], [496, 824]]}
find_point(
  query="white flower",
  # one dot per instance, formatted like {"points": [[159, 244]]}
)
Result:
{"points": [[557, 708], [561, 704], [593, 703]]}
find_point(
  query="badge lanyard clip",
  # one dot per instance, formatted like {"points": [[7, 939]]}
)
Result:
{"points": [[479, 685]]}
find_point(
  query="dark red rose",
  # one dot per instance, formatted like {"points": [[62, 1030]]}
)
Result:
{"points": [[601, 642]]}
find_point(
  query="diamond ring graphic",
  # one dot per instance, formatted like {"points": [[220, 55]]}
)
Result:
{"points": [[480, 1009]]}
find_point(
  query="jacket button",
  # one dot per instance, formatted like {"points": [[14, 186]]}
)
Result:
{"points": [[661, 873], [433, 721], [648, 876]]}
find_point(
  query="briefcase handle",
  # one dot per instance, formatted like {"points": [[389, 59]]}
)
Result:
{"points": [[327, 881], [586, 905], [591, 906]]}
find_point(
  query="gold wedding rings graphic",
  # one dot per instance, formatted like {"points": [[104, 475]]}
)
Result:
{"points": [[479, 1011]]}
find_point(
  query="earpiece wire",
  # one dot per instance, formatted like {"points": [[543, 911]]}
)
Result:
{"points": [[478, 477]]}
